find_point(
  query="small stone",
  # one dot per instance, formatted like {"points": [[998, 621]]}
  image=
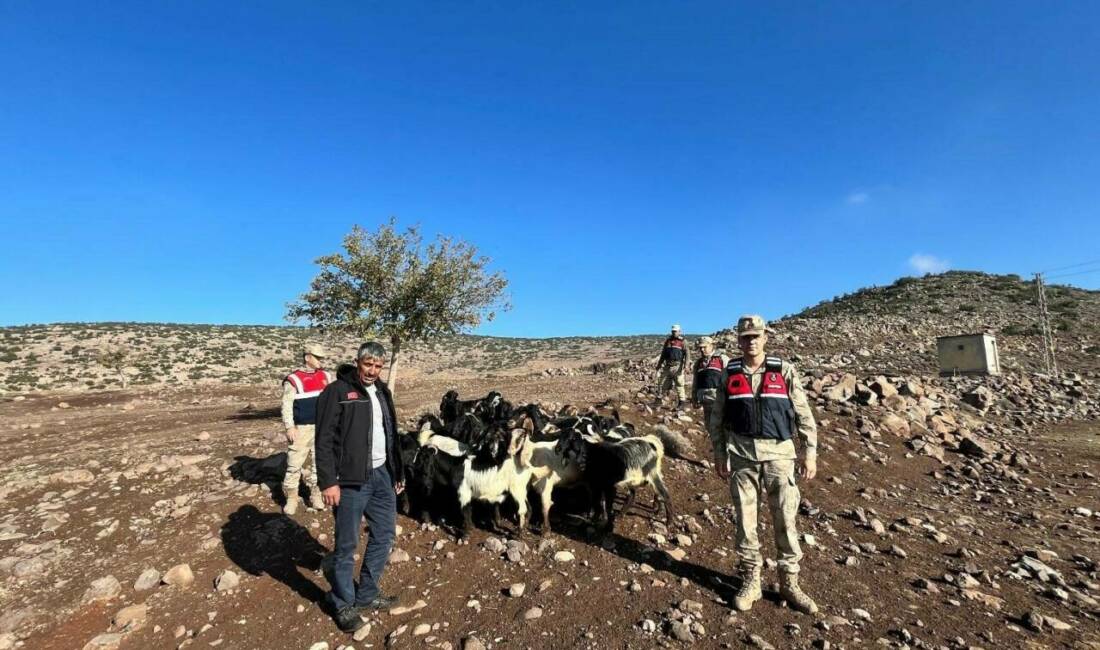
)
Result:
{"points": [[564, 556], [179, 575], [493, 545], [179, 631], [148, 579], [362, 633], [517, 589], [399, 555], [472, 643], [861, 614], [320, 645], [681, 632], [203, 436], [422, 629], [227, 580], [405, 609], [532, 614], [131, 618], [108, 641], [103, 589]]}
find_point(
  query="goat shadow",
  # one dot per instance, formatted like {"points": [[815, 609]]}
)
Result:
{"points": [[274, 544], [722, 585]]}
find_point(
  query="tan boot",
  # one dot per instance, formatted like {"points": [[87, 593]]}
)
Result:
{"points": [[315, 500], [750, 590], [793, 594], [291, 506]]}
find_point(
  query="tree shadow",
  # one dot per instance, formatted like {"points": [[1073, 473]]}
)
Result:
{"points": [[256, 471], [274, 544], [246, 415]]}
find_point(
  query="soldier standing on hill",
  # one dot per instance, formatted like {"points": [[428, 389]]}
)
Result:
{"points": [[707, 380], [300, 391], [670, 368], [752, 433]]}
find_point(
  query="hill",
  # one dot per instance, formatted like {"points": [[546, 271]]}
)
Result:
{"points": [[893, 329], [65, 357]]}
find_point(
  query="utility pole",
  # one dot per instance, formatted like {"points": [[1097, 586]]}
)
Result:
{"points": [[1044, 325]]}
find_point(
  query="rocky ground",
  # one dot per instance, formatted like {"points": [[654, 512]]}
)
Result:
{"points": [[948, 513]]}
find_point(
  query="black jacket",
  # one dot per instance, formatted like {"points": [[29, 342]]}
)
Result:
{"points": [[345, 431]]}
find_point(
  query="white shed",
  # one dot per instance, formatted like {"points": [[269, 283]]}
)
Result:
{"points": [[968, 354]]}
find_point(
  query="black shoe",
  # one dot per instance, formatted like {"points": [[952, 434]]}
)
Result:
{"points": [[348, 619], [381, 601]]}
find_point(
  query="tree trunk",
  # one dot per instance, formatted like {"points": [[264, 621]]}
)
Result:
{"points": [[391, 376], [122, 378]]}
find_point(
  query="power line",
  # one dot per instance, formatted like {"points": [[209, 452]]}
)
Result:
{"points": [[1068, 275], [1071, 266]]}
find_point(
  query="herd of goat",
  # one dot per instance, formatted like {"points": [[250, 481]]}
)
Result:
{"points": [[487, 450]]}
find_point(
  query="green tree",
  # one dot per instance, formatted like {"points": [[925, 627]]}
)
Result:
{"points": [[390, 285], [116, 357]]}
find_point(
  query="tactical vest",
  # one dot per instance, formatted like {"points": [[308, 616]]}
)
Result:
{"points": [[767, 415], [307, 386], [708, 379], [674, 350]]}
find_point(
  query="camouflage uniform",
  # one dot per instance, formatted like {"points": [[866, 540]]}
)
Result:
{"points": [[671, 373], [757, 464], [301, 449], [706, 396]]}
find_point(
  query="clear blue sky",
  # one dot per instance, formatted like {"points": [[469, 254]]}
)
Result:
{"points": [[626, 164]]}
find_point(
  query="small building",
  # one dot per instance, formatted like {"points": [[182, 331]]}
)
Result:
{"points": [[968, 354]]}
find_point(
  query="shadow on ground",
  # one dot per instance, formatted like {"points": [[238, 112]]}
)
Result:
{"points": [[245, 415], [272, 543], [256, 471]]}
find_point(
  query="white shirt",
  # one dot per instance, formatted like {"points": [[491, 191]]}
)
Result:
{"points": [[378, 427]]}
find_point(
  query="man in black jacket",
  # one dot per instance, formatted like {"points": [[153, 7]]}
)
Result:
{"points": [[360, 474]]}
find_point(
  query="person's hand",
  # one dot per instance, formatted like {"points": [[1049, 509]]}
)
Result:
{"points": [[331, 496], [808, 470], [399, 487], [722, 467], [291, 434]]}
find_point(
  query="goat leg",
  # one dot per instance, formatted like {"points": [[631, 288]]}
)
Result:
{"points": [[665, 498], [609, 504], [630, 500], [467, 520]]}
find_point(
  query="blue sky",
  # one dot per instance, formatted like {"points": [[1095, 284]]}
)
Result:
{"points": [[627, 165]]}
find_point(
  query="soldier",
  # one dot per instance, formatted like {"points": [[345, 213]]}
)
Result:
{"points": [[752, 435], [707, 379], [670, 367], [300, 391]]}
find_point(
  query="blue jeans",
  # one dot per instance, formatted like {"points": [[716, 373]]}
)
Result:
{"points": [[376, 500]]}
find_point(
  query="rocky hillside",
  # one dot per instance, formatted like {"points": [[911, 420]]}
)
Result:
{"points": [[893, 329], [69, 357]]}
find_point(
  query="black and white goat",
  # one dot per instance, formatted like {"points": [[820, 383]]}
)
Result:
{"points": [[492, 470], [606, 465]]}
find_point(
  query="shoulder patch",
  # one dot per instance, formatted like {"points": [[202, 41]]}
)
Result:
{"points": [[773, 363]]}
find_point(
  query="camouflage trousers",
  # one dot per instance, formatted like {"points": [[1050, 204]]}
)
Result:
{"points": [[776, 478], [296, 455], [671, 377]]}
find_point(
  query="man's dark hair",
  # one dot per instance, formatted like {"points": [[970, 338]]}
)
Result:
{"points": [[372, 349]]}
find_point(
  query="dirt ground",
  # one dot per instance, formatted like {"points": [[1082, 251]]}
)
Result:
{"points": [[171, 495]]}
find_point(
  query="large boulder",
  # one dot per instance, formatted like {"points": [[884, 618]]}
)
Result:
{"points": [[883, 388], [842, 390]]}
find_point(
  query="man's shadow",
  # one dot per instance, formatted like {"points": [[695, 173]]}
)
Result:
{"points": [[273, 543]]}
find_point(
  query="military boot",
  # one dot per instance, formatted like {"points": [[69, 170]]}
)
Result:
{"points": [[291, 506], [750, 590], [315, 500], [793, 594]]}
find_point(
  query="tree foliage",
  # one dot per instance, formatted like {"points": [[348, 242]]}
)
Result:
{"points": [[115, 357], [390, 285]]}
